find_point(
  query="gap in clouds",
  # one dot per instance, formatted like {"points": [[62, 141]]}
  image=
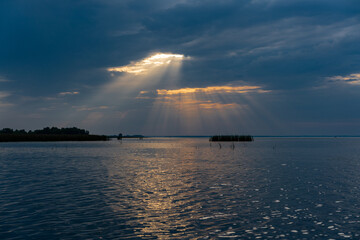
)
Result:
{"points": [[351, 79]]}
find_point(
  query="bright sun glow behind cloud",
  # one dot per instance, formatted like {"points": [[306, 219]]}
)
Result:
{"points": [[212, 90], [149, 63], [158, 69]]}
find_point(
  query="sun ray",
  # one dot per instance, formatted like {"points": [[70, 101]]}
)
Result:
{"points": [[172, 110], [201, 108]]}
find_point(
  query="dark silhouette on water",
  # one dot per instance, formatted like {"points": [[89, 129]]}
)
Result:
{"points": [[231, 138], [120, 136], [130, 136], [49, 134]]}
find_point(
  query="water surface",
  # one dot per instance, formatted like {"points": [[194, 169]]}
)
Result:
{"points": [[181, 188]]}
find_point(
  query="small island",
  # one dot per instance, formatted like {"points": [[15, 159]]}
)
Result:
{"points": [[49, 135], [231, 138]]}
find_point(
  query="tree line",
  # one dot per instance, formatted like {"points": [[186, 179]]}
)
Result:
{"points": [[49, 134], [47, 131]]}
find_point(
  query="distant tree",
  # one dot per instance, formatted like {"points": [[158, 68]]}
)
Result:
{"points": [[48, 131], [66, 131], [6, 131], [22, 131], [74, 130]]}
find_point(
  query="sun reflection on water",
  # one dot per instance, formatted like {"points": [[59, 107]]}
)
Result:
{"points": [[168, 189], [160, 189], [163, 199]]}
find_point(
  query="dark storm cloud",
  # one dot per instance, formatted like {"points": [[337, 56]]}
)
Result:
{"points": [[51, 42], [58, 43], [280, 44]]}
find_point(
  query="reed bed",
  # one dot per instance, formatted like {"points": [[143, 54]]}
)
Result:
{"points": [[231, 138]]}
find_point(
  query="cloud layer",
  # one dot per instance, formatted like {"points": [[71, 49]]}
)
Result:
{"points": [[304, 54]]}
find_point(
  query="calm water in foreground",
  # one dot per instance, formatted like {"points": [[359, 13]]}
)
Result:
{"points": [[181, 188]]}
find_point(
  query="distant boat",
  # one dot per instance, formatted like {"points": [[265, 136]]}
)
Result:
{"points": [[231, 138]]}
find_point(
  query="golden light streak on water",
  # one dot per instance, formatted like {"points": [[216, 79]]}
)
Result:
{"points": [[158, 197]]}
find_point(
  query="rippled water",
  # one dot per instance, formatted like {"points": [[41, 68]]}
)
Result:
{"points": [[174, 188]]}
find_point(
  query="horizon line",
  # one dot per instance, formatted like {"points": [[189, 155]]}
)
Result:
{"points": [[259, 136]]}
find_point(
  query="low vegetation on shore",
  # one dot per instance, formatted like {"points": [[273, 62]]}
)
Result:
{"points": [[49, 134], [231, 138]]}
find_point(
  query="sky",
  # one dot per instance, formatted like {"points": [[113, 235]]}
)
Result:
{"points": [[181, 67]]}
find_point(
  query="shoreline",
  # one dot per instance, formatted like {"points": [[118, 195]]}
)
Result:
{"points": [[50, 137]]}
